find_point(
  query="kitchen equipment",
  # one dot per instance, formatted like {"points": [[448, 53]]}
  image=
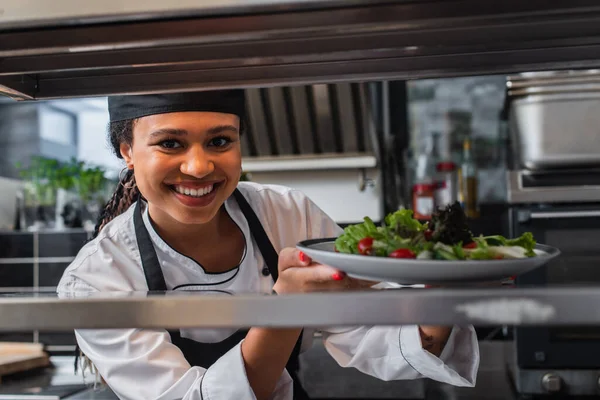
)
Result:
{"points": [[553, 191], [553, 186], [555, 119], [548, 359], [412, 271]]}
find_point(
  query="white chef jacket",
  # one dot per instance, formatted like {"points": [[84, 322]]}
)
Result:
{"points": [[144, 364]]}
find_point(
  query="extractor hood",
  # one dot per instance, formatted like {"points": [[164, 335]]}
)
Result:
{"points": [[69, 48]]}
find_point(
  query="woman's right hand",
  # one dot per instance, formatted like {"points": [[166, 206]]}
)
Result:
{"points": [[298, 274]]}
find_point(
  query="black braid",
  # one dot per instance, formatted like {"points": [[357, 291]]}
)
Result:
{"points": [[126, 192], [124, 196]]}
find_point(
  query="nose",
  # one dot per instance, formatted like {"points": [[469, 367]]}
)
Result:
{"points": [[197, 163]]}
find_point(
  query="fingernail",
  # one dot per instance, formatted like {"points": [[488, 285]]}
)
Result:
{"points": [[302, 257], [338, 276]]}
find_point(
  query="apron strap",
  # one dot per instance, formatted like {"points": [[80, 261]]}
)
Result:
{"points": [[271, 259], [151, 266], [262, 240]]}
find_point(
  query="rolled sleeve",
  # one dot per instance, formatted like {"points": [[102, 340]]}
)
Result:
{"points": [[216, 387], [458, 363], [219, 384], [395, 353]]}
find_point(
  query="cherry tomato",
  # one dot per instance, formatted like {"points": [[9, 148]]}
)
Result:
{"points": [[365, 246], [428, 234], [471, 245], [402, 253], [499, 257]]}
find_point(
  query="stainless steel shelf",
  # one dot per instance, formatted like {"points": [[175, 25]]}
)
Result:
{"points": [[131, 47], [482, 306]]}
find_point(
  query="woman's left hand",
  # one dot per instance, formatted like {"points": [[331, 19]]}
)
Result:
{"points": [[434, 338]]}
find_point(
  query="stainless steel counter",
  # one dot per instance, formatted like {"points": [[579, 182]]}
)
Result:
{"points": [[478, 306]]}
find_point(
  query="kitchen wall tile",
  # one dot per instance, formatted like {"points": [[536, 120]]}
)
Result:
{"points": [[50, 273], [16, 245], [26, 337], [61, 244], [57, 338], [16, 275]]}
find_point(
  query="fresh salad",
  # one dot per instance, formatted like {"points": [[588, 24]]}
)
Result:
{"points": [[445, 237]]}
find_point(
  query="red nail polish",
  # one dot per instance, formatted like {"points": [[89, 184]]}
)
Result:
{"points": [[338, 276], [302, 257]]}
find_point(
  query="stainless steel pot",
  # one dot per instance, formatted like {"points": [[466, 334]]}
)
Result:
{"points": [[555, 121]]}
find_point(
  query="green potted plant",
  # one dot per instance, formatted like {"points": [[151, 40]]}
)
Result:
{"points": [[41, 183], [90, 185]]}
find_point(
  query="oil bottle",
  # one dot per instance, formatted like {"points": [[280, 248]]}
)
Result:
{"points": [[467, 182]]}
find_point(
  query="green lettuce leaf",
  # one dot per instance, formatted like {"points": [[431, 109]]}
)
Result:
{"points": [[347, 242], [526, 241], [403, 224]]}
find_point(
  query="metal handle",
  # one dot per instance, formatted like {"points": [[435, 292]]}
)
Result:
{"points": [[564, 214], [363, 181]]}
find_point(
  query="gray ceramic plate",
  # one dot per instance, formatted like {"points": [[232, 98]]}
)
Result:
{"points": [[412, 271]]}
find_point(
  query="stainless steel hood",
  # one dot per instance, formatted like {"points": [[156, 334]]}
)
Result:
{"points": [[312, 120], [78, 49]]}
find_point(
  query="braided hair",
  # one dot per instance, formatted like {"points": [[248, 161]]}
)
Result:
{"points": [[124, 196], [127, 191]]}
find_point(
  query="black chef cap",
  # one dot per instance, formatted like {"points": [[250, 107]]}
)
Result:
{"points": [[135, 106]]}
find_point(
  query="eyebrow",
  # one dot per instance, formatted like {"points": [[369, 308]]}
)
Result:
{"points": [[221, 128], [182, 132]]}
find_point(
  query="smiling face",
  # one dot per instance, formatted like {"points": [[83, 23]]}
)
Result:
{"points": [[186, 164]]}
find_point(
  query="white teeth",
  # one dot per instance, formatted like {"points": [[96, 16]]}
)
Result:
{"points": [[194, 192]]}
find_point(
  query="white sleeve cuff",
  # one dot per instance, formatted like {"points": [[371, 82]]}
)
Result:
{"points": [[226, 379], [458, 363]]}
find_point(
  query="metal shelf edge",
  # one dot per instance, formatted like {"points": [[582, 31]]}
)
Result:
{"points": [[491, 306]]}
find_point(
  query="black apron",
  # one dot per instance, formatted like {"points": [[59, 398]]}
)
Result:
{"points": [[205, 354]]}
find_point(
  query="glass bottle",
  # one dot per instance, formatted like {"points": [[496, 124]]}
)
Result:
{"points": [[425, 181], [468, 182]]}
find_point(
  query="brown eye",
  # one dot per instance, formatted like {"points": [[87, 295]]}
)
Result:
{"points": [[221, 141], [170, 144]]}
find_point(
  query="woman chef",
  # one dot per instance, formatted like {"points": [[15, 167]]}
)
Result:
{"points": [[181, 220]]}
